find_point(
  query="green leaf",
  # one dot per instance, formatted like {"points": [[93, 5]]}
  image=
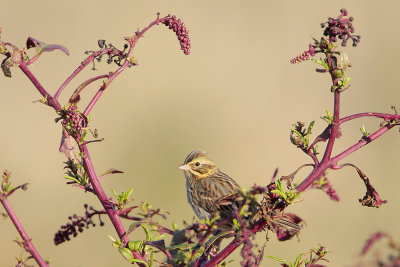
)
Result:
{"points": [[72, 178], [236, 223], [8, 187], [364, 132], [111, 171], [215, 237], [136, 245], [146, 230], [183, 246], [134, 226], [279, 185], [243, 210], [298, 260], [282, 194], [140, 261], [112, 238], [145, 206], [115, 242], [127, 254], [151, 259], [278, 259], [298, 133], [115, 193], [328, 118], [315, 150], [310, 126], [321, 62]]}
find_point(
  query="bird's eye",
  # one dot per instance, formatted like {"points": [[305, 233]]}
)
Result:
{"points": [[197, 164]]}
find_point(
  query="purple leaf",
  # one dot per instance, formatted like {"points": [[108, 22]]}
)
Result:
{"points": [[43, 47]]}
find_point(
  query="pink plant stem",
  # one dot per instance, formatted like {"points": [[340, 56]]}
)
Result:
{"points": [[132, 42], [233, 245], [86, 62], [112, 214], [88, 163], [224, 253], [111, 51], [327, 162], [333, 161], [315, 159], [335, 127], [80, 88], [103, 87], [361, 143], [371, 114], [50, 100], [28, 245]]}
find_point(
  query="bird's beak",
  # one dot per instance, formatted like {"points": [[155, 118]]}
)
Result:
{"points": [[184, 167]]}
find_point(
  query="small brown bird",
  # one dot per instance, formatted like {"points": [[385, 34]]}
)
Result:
{"points": [[205, 184]]}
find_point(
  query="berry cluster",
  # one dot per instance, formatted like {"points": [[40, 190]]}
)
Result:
{"points": [[341, 28], [76, 225], [73, 121], [181, 31], [305, 56]]}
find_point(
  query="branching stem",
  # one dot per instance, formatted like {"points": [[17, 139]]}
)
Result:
{"points": [[28, 245]]}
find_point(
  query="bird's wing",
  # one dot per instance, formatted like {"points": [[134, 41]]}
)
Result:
{"points": [[210, 190]]}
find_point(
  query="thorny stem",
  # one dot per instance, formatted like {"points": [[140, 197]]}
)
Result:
{"points": [[28, 245]]}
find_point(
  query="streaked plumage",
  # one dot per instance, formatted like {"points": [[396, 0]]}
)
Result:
{"points": [[205, 184]]}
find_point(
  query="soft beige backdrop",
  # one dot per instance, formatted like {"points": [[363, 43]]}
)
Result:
{"points": [[235, 96]]}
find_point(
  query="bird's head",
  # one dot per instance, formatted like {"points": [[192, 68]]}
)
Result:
{"points": [[199, 164]]}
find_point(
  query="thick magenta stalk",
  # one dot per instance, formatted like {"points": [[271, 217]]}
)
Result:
{"points": [[28, 245], [50, 100], [112, 214]]}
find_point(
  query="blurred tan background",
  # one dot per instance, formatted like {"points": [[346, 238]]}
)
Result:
{"points": [[235, 96]]}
